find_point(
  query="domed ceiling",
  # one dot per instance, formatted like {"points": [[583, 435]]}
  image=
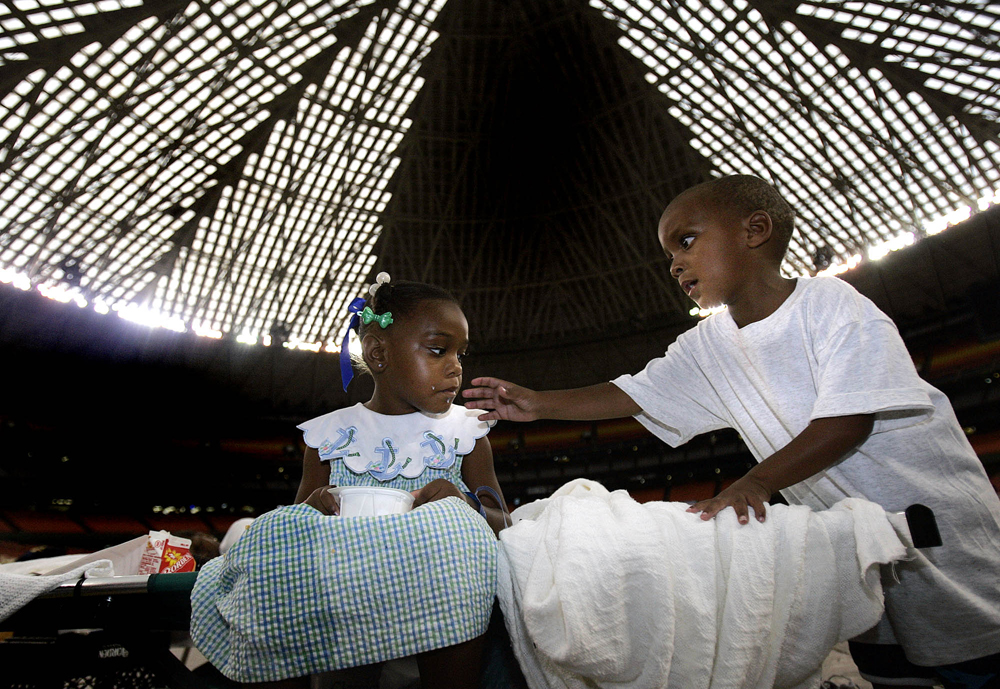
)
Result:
{"points": [[241, 169]]}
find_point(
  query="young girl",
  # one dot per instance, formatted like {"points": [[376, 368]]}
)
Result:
{"points": [[305, 591]]}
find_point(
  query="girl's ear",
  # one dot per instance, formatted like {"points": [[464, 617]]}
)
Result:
{"points": [[758, 228], [373, 352]]}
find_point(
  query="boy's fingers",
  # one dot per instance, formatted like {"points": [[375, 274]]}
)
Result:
{"points": [[742, 513], [478, 392], [710, 508], [487, 382], [488, 415], [707, 509], [701, 506]]}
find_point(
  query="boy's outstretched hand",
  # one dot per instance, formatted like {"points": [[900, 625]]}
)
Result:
{"points": [[509, 402], [743, 494]]}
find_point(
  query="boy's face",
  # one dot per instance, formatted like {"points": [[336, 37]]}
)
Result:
{"points": [[708, 251]]}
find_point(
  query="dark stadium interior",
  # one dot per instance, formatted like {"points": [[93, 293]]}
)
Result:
{"points": [[523, 152]]}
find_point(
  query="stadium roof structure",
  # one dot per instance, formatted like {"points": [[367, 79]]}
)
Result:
{"points": [[242, 168]]}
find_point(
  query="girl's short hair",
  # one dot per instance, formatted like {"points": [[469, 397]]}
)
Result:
{"points": [[402, 299]]}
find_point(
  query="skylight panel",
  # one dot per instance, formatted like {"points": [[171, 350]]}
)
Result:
{"points": [[178, 98], [838, 111], [262, 252]]}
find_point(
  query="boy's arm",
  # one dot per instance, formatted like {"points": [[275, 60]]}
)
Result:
{"points": [[820, 444], [511, 402]]}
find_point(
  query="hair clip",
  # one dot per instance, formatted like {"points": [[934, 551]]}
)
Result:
{"points": [[380, 279], [383, 319]]}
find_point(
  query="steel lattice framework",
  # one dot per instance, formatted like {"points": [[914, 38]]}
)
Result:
{"points": [[221, 163], [242, 166]]}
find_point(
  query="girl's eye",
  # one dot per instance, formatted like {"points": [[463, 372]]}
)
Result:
{"points": [[439, 351], [685, 242], [462, 355]]}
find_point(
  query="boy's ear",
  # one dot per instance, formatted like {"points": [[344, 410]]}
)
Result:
{"points": [[758, 228], [373, 352]]}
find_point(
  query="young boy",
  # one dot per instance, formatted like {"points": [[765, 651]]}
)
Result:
{"points": [[819, 383]]}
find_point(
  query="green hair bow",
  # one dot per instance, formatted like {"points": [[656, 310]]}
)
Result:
{"points": [[383, 319]]}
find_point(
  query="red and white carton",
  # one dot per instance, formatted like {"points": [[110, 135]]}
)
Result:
{"points": [[166, 553]]}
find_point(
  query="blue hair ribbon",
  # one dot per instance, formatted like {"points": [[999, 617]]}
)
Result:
{"points": [[346, 370]]}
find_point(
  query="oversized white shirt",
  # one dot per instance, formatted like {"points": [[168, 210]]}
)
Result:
{"points": [[829, 351]]}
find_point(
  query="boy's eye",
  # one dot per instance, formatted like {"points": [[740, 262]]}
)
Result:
{"points": [[439, 351], [685, 241]]}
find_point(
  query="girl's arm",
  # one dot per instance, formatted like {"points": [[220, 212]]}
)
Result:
{"points": [[314, 484], [515, 403], [819, 445], [477, 470]]}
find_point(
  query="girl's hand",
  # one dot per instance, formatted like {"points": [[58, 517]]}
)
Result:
{"points": [[745, 493], [508, 401], [321, 500], [437, 489]]}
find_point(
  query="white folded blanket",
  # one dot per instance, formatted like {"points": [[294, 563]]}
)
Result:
{"points": [[17, 590], [598, 590]]}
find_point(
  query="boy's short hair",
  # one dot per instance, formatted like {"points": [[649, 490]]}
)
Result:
{"points": [[744, 194]]}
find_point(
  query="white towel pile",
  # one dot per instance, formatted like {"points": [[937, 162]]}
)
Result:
{"points": [[600, 591], [17, 590]]}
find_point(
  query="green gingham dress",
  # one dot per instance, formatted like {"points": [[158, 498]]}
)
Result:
{"points": [[302, 592]]}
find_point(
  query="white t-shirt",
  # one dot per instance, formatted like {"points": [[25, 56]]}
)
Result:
{"points": [[828, 351]]}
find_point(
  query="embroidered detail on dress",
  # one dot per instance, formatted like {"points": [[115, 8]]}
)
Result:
{"points": [[337, 449], [387, 467], [441, 456]]}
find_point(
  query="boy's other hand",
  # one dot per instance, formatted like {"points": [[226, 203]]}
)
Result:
{"points": [[509, 402], [745, 493], [437, 489], [321, 500]]}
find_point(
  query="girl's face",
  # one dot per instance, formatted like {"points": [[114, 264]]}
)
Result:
{"points": [[423, 366]]}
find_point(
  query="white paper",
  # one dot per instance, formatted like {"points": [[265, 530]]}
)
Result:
{"points": [[124, 557]]}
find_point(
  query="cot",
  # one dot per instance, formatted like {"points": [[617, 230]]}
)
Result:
{"points": [[118, 627], [125, 626]]}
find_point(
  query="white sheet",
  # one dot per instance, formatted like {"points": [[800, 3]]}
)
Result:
{"points": [[600, 591], [17, 590]]}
